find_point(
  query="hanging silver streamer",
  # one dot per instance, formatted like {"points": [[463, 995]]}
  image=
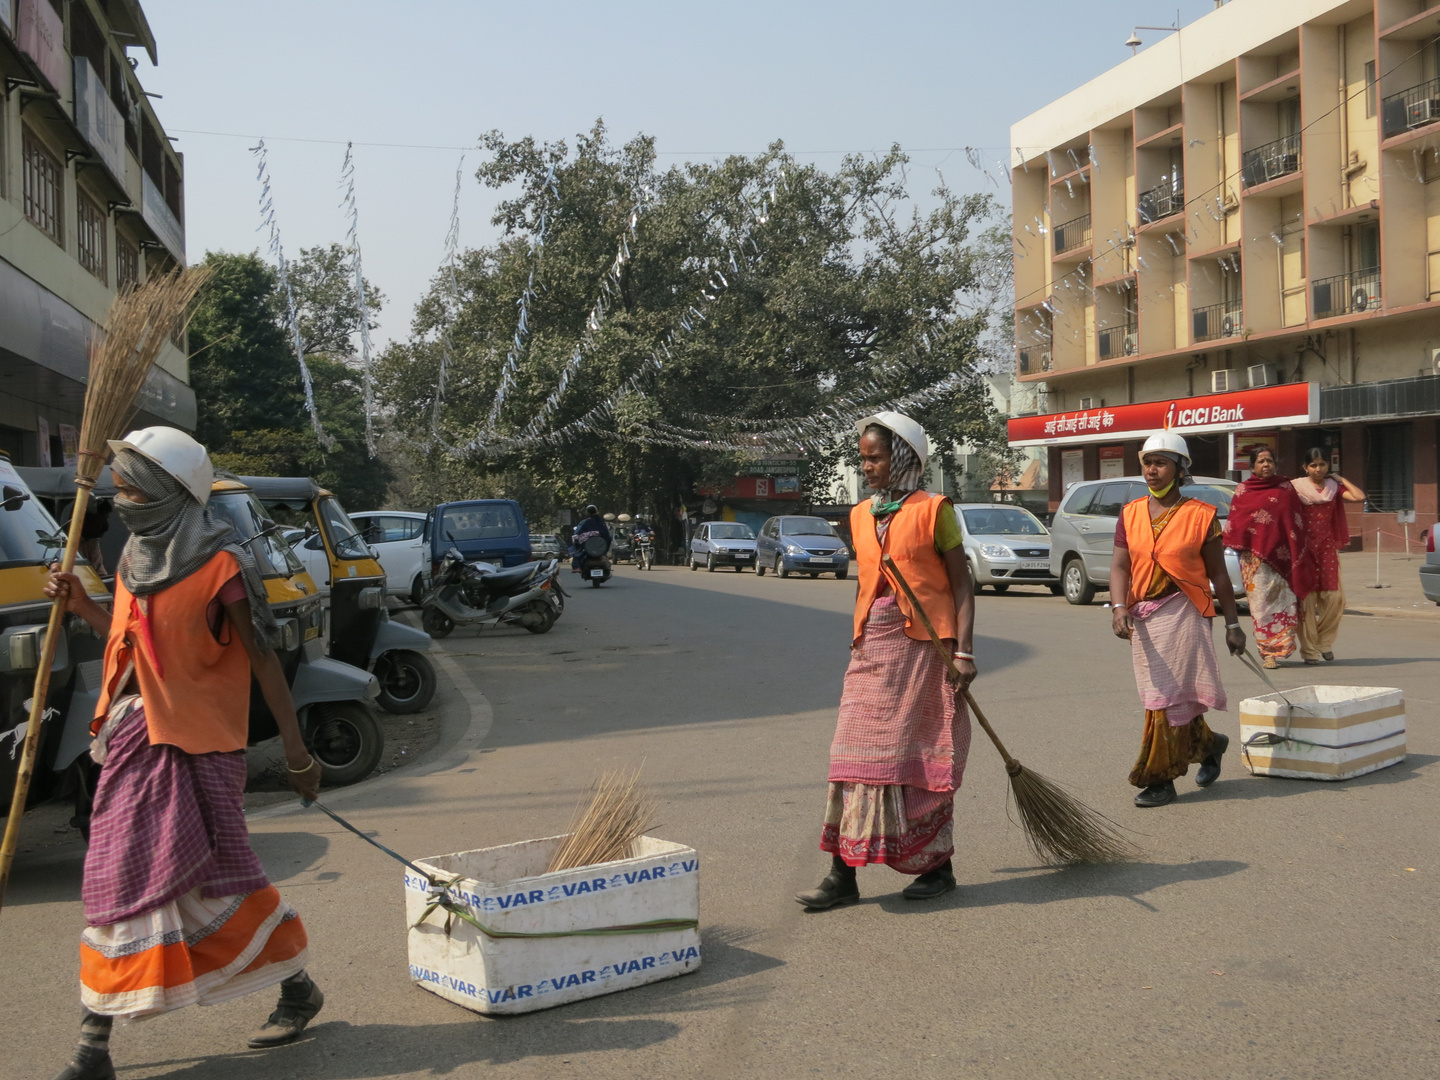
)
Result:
{"points": [[352, 239], [282, 275], [452, 242]]}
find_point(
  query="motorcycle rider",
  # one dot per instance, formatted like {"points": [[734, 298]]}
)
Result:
{"points": [[591, 525]]}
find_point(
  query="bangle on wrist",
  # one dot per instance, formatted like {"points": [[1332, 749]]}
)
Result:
{"points": [[1232, 626], [965, 656], [300, 772]]}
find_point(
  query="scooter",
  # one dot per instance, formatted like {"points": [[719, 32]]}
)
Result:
{"points": [[480, 595], [361, 631], [594, 562]]}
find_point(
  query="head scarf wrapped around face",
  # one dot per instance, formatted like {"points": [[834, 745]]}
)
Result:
{"points": [[906, 475], [172, 536]]}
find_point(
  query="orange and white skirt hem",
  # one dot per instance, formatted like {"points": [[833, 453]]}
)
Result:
{"points": [[192, 951]]}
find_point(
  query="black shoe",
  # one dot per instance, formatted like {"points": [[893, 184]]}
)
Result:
{"points": [[299, 1002], [100, 1069], [838, 888], [931, 884], [1209, 770], [1156, 794]]}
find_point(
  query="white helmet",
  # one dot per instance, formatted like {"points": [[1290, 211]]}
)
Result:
{"points": [[175, 452], [1167, 442], [903, 426]]}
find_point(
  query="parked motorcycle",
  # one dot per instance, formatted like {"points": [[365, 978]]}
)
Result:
{"points": [[479, 594], [594, 562]]}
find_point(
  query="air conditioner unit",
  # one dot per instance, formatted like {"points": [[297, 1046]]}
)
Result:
{"points": [[1046, 363], [1435, 360], [1423, 111], [1263, 375], [1225, 380], [1132, 344], [1087, 403]]}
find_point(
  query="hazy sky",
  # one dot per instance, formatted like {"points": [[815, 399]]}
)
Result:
{"points": [[704, 79]]}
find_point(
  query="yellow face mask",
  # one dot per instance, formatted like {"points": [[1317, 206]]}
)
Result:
{"points": [[1162, 492]]}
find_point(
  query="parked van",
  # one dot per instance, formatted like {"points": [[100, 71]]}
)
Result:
{"points": [[482, 530]]}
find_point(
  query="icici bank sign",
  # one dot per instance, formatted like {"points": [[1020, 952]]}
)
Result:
{"points": [[1241, 410]]}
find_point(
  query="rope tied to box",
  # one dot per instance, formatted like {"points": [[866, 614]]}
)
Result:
{"points": [[442, 898], [1274, 738]]}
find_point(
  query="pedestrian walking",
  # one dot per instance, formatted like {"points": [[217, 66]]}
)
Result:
{"points": [[1322, 506], [178, 909], [1266, 529], [903, 733], [1168, 560]]}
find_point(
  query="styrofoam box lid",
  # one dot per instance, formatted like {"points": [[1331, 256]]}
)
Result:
{"points": [[1325, 701], [511, 864]]}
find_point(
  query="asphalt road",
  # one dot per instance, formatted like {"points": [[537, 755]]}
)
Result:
{"points": [[1272, 928]]}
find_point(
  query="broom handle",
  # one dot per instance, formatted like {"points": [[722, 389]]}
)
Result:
{"points": [[42, 691], [945, 655]]}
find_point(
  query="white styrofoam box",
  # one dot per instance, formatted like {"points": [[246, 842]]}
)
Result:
{"points": [[507, 889], [1337, 731]]}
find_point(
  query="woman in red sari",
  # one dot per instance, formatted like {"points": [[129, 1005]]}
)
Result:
{"points": [[1267, 530], [1322, 504]]}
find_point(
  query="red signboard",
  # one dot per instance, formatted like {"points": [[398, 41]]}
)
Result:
{"points": [[1242, 410]]}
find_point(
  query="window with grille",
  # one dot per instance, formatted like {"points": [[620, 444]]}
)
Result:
{"points": [[1389, 468], [90, 236], [127, 263], [43, 184]]}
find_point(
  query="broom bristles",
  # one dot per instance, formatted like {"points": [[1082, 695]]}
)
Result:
{"points": [[123, 351], [1061, 829], [606, 826]]}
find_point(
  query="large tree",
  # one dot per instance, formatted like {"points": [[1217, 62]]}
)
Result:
{"points": [[247, 382], [832, 292]]}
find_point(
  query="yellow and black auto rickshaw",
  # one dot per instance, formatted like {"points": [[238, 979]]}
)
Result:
{"points": [[361, 631], [30, 540], [331, 697]]}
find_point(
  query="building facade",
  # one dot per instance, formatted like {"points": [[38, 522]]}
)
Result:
{"points": [[91, 199], [1236, 233]]}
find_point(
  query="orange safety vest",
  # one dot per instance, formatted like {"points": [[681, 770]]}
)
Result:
{"points": [[196, 690], [1177, 551], [910, 541]]}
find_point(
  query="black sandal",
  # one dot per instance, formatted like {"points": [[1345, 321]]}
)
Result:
{"points": [[298, 1004]]}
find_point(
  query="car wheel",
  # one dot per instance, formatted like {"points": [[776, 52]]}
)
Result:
{"points": [[814, 573], [974, 581], [1076, 585], [759, 568], [710, 563], [1001, 589], [840, 575], [1057, 590], [693, 565], [417, 590], [780, 570]]}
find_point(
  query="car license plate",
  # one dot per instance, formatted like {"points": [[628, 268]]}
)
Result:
{"points": [[743, 554], [597, 573], [1035, 564], [822, 559]]}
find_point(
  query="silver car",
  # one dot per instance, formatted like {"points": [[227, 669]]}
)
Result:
{"points": [[1430, 568], [1082, 536], [1005, 545], [722, 543]]}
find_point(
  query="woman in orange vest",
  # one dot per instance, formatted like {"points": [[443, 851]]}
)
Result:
{"points": [[903, 732], [1168, 558], [178, 909]]}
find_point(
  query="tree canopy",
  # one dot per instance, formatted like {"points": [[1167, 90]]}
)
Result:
{"points": [[836, 291], [247, 383]]}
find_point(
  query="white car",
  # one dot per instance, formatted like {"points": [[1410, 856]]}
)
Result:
{"points": [[396, 536]]}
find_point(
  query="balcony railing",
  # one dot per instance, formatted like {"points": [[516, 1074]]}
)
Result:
{"points": [[1119, 341], [1410, 109], [1164, 199], [1271, 161], [1218, 321], [1073, 234], [1346, 294], [1034, 361]]}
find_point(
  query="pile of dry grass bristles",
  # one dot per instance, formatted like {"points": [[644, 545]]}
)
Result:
{"points": [[607, 825]]}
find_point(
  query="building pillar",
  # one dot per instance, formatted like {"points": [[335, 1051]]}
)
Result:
{"points": [[1352, 467], [1427, 471]]}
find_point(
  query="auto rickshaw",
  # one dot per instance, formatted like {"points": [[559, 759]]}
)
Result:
{"points": [[54, 487], [30, 540], [361, 630], [331, 696]]}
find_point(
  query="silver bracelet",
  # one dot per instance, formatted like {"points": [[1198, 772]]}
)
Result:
{"points": [[1232, 626], [965, 656]]}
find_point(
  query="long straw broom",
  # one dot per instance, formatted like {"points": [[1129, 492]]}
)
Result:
{"points": [[1060, 828], [605, 828], [122, 353]]}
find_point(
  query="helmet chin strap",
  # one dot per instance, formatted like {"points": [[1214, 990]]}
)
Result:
{"points": [[1162, 492]]}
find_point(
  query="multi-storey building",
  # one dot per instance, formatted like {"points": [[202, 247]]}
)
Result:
{"points": [[1236, 232], [90, 199]]}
